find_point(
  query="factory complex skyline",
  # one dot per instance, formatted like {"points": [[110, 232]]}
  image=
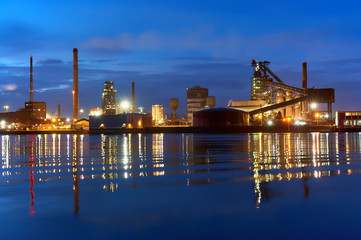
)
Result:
{"points": [[166, 47]]}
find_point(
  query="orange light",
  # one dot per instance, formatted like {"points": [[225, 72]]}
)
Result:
{"points": [[289, 119], [260, 116], [53, 119], [284, 119], [317, 115]]}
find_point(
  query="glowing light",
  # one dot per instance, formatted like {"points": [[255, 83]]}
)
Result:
{"points": [[269, 122], [125, 105], [317, 115], [313, 105]]}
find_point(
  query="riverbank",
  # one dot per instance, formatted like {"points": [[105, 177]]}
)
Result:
{"points": [[239, 129]]}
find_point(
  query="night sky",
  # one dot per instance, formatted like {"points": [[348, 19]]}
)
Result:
{"points": [[167, 46]]}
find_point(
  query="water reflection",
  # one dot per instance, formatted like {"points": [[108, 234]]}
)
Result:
{"points": [[121, 161]]}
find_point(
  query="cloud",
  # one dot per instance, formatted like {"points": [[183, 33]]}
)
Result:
{"points": [[197, 39], [8, 87], [206, 59], [50, 62], [59, 87]]}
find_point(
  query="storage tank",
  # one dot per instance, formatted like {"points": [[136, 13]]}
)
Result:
{"points": [[220, 117], [173, 105]]}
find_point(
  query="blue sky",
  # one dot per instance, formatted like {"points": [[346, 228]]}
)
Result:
{"points": [[167, 46]]}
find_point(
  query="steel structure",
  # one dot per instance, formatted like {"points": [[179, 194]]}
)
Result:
{"points": [[267, 86], [109, 103]]}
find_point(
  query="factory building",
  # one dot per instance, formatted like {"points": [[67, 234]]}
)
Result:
{"points": [[33, 114], [117, 121], [157, 114], [349, 119], [196, 100], [272, 99]]}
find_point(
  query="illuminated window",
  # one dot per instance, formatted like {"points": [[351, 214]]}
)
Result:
{"points": [[348, 114]]}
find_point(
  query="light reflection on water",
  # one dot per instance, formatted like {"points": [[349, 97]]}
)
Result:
{"points": [[177, 159]]}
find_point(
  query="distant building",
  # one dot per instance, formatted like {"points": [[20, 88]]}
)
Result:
{"points": [[349, 119], [109, 103], [32, 115], [196, 100], [37, 110], [157, 114]]}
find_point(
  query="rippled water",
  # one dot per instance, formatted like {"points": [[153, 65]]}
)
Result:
{"points": [[181, 186]]}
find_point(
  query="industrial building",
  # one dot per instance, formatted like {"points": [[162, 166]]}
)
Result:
{"points": [[272, 98], [196, 100], [348, 119], [108, 117], [157, 114], [118, 121], [109, 103], [32, 115]]}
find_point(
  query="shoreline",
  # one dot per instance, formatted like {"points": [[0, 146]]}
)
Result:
{"points": [[220, 130]]}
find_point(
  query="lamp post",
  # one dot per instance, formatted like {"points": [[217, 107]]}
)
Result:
{"points": [[6, 108]]}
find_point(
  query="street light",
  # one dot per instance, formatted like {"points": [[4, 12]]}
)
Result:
{"points": [[6, 108]]}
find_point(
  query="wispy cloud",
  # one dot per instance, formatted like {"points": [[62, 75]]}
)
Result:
{"points": [[59, 87], [203, 59], [8, 87], [199, 39], [50, 62]]}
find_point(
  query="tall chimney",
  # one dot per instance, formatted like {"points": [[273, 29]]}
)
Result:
{"points": [[304, 75], [133, 98], [58, 111], [31, 80], [75, 86]]}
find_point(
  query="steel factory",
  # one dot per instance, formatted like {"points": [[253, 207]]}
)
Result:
{"points": [[272, 102]]}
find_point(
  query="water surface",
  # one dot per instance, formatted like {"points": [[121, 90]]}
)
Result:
{"points": [[181, 186]]}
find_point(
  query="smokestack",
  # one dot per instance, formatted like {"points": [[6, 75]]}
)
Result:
{"points": [[133, 98], [31, 80], [75, 86], [304, 75], [58, 111]]}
